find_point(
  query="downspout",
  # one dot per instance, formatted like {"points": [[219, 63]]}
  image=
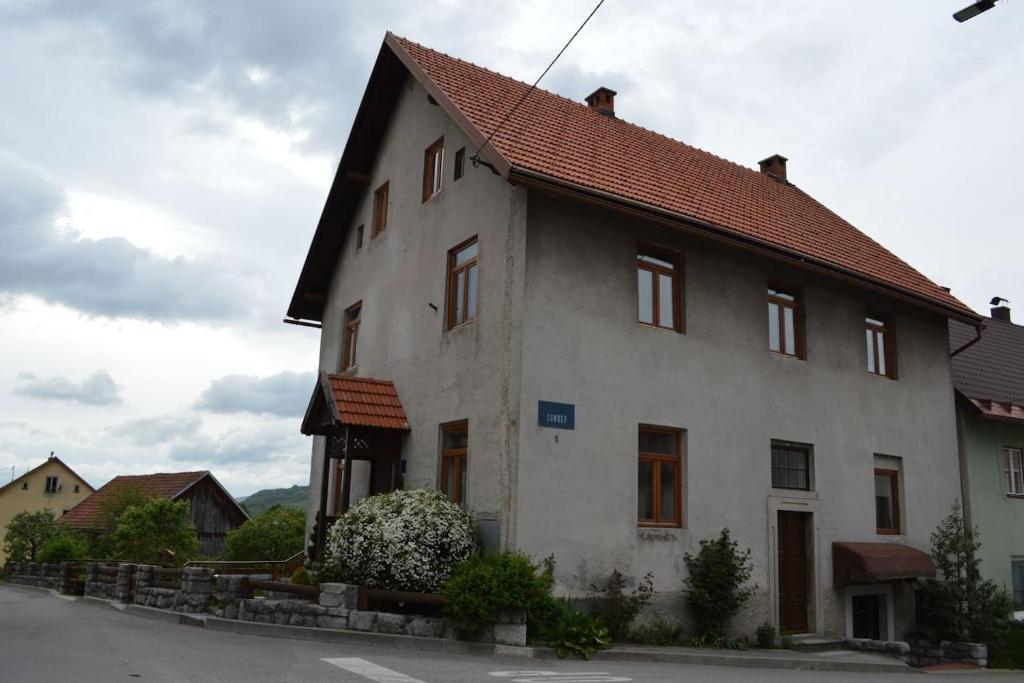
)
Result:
{"points": [[977, 328]]}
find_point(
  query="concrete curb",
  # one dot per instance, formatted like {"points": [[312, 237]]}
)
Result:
{"points": [[722, 658]]}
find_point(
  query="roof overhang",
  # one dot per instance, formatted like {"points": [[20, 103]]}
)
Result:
{"points": [[1001, 411], [860, 563], [342, 401]]}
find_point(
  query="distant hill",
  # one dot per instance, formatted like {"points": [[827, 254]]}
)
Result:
{"points": [[295, 497]]}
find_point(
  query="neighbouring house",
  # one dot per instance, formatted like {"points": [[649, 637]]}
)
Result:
{"points": [[608, 345], [51, 486], [214, 511], [989, 379]]}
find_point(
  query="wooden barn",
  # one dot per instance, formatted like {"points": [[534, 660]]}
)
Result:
{"points": [[214, 511]]}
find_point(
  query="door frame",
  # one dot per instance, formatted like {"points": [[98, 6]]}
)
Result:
{"points": [[882, 589], [797, 501]]}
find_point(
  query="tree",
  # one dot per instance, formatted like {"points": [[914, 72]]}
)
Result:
{"points": [[159, 532], [276, 534], [112, 506], [961, 606], [716, 585], [67, 545], [27, 533]]}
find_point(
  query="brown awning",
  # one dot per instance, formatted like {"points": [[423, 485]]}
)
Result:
{"points": [[878, 563]]}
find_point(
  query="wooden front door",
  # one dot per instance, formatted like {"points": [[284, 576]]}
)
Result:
{"points": [[793, 571]]}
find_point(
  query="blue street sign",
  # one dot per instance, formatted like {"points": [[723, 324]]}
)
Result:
{"points": [[556, 415]]}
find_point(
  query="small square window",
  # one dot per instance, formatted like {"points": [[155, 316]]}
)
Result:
{"points": [[791, 466], [460, 162], [51, 484], [380, 210]]}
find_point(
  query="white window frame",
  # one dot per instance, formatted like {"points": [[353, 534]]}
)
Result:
{"points": [[1013, 471]]}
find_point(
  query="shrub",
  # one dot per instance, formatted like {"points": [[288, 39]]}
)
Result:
{"points": [[402, 540], [159, 532], [1008, 651], [276, 534], [27, 533], [716, 587], [961, 606], [485, 585], [577, 633], [65, 547], [616, 609], [657, 631], [301, 577], [766, 636]]}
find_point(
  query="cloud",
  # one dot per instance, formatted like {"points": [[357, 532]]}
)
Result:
{"points": [[285, 394], [99, 389], [151, 431], [108, 277], [248, 445]]}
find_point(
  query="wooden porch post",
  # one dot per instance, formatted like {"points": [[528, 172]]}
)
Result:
{"points": [[321, 518], [346, 475]]}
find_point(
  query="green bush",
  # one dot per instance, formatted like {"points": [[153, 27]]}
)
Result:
{"points": [[709, 640], [1008, 651], [576, 633], [615, 608], [65, 547], [961, 606], [485, 585], [766, 636], [716, 585], [657, 631], [301, 577], [27, 533], [159, 532], [276, 534]]}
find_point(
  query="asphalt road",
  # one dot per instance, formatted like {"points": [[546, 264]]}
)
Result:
{"points": [[47, 638]]}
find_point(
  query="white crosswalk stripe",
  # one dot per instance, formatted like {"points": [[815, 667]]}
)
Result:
{"points": [[369, 670]]}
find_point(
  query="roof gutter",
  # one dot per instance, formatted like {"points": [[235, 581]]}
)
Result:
{"points": [[522, 176]]}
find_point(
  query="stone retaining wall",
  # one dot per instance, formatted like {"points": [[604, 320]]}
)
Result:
{"points": [[894, 648], [926, 653], [45, 575]]}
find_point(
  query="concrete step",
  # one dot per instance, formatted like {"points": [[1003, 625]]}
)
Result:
{"points": [[815, 643]]}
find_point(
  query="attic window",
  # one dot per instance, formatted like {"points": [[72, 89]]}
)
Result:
{"points": [[433, 169], [24, 486], [460, 162], [359, 237], [380, 210], [77, 488], [51, 484]]}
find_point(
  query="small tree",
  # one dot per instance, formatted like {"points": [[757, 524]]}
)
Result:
{"points": [[276, 534], [961, 605], [616, 608], [27, 533], [159, 532], [717, 584], [112, 506]]}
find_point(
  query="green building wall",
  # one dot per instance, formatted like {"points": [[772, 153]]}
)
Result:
{"points": [[999, 517]]}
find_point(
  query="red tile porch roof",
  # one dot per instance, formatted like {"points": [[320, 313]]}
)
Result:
{"points": [[367, 402]]}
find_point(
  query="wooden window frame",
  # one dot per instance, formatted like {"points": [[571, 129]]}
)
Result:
{"points": [[457, 457], [460, 164], [894, 484], [808, 450], [1009, 470], [350, 336], [886, 330], [433, 169], [676, 275], [659, 520], [452, 289], [798, 323], [54, 488], [380, 209]]}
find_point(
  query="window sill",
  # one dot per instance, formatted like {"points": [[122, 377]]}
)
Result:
{"points": [[350, 371], [461, 325], [1018, 496], [875, 374], [780, 354], [659, 327], [427, 200], [888, 532], [659, 525]]}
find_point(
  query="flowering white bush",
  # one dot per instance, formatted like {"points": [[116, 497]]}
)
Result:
{"points": [[403, 540]]}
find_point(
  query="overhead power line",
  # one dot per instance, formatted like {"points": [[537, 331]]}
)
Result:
{"points": [[476, 156]]}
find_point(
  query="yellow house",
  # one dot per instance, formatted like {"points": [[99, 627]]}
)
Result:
{"points": [[52, 486]]}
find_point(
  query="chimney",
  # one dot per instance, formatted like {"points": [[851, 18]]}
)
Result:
{"points": [[603, 100], [775, 166], [1000, 311]]}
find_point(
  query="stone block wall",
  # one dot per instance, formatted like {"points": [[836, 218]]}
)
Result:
{"points": [[94, 587], [926, 653], [45, 575], [894, 648]]}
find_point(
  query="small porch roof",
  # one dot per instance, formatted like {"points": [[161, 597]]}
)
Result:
{"points": [[343, 401], [857, 563], [998, 410]]}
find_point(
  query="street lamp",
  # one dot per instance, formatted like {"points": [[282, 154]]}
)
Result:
{"points": [[974, 10]]}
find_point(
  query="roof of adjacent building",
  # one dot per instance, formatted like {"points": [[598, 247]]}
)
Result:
{"points": [[170, 485], [50, 460], [993, 368], [564, 143]]}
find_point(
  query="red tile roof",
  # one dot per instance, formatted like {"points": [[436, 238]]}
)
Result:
{"points": [[88, 513], [366, 402], [572, 143]]}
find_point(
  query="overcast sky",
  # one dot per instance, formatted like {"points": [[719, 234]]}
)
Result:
{"points": [[163, 165]]}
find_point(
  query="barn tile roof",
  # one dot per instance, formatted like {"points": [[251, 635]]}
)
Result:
{"points": [[88, 513], [558, 138], [367, 402], [991, 370]]}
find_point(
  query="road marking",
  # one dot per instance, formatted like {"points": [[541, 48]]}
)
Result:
{"points": [[559, 676], [370, 670]]}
